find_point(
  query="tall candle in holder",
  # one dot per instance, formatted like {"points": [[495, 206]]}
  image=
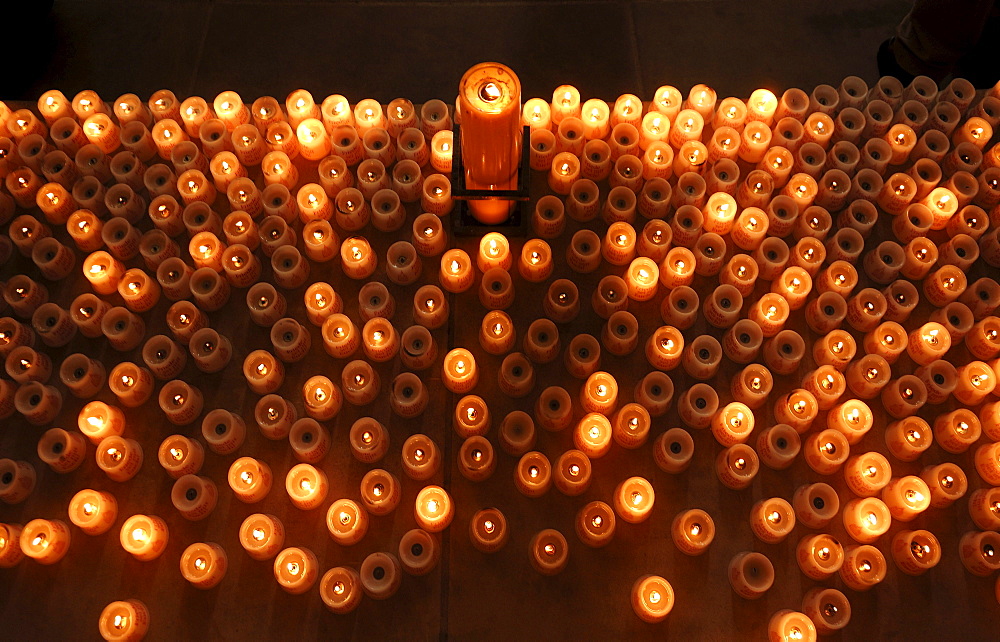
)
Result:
{"points": [[489, 98]]}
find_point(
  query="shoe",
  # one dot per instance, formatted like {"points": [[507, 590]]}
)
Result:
{"points": [[889, 66]]}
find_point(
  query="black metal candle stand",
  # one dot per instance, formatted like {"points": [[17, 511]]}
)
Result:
{"points": [[463, 223]]}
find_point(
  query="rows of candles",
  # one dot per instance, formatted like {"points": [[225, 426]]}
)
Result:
{"points": [[832, 239]]}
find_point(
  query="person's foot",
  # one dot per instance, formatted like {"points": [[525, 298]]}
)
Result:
{"points": [[888, 65]]}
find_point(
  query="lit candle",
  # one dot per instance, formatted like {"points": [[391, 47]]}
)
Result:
{"points": [[866, 519], [652, 598], [864, 567], [369, 440], [692, 531], [976, 380], [988, 463], [433, 509], [978, 552], [908, 438], [488, 530], [733, 424], [180, 456], [592, 435], [249, 479], [274, 416], [296, 569], [204, 564], [306, 486], [45, 541], [456, 274], [533, 474], [826, 451], [359, 382], [819, 556], [677, 268], [85, 228], [460, 371], [144, 536], [476, 459], [357, 258], [915, 552], [103, 271], [346, 522], [497, 334], [420, 457], [180, 402], [321, 242], [264, 373], [24, 364], [98, 420], [791, 626], [631, 426], [380, 493], [853, 419], [231, 110], [124, 620], [906, 497], [771, 520], [340, 336], [322, 398], [549, 552], [633, 500], [564, 171], [119, 458], [490, 107], [947, 483], [753, 385], [340, 589], [867, 474], [262, 536], [736, 466]]}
